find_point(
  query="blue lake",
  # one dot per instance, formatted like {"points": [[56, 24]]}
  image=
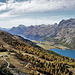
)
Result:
{"points": [[67, 52]]}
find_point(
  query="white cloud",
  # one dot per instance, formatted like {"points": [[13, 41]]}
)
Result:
{"points": [[2, 6], [7, 15], [42, 5], [34, 6]]}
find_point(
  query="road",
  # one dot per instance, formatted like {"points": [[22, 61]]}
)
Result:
{"points": [[8, 66]]}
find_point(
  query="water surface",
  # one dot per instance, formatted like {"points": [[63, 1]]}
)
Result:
{"points": [[67, 52]]}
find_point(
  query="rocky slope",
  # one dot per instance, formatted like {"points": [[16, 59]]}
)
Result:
{"points": [[66, 33], [66, 30]]}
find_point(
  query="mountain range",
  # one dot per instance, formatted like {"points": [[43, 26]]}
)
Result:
{"points": [[62, 33], [4, 29]]}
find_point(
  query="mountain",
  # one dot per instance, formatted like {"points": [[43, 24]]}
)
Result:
{"points": [[18, 30], [40, 31], [4, 29], [35, 31], [62, 33], [39, 60], [66, 32]]}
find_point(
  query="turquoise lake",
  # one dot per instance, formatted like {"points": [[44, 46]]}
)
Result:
{"points": [[67, 52]]}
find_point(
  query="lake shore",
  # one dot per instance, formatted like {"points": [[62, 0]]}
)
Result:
{"points": [[67, 52]]}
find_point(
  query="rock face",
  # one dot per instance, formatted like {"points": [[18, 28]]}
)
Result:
{"points": [[64, 31], [40, 31]]}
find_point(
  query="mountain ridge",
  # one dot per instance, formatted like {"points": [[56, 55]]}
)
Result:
{"points": [[63, 32]]}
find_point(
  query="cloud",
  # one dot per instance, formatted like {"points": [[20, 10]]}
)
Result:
{"points": [[42, 5], [2, 6], [25, 21], [7, 15], [36, 6]]}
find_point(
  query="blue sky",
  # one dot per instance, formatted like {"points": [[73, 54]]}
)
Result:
{"points": [[32, 12]]}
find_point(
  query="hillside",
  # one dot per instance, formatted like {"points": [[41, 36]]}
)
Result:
{"points": [[63, 33], [41, 61]]}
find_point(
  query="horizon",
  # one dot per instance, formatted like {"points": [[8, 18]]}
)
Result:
{"points": [[35, 24], [34, 12]]}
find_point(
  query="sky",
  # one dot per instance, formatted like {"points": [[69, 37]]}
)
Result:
{"points": [[35, 12]]}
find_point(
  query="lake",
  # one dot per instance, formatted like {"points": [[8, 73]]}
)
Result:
{"points": [[30, 38], [67, 52]]}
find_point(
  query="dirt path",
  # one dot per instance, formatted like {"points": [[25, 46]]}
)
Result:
{"points": [[8, 66], [7, 62]]}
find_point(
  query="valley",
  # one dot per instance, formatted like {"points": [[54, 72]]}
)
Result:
{"points": [[26, 57], [59, 34], [37, 37]]}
